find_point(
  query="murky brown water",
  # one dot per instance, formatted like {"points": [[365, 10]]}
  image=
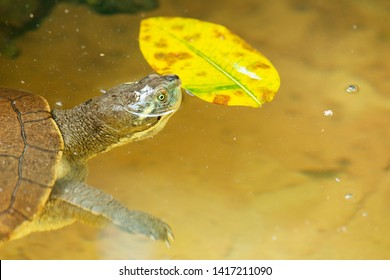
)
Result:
{"points": [[281, 182]]}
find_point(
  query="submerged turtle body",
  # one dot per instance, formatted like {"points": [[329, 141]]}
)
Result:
{"points": [[43, 156]]}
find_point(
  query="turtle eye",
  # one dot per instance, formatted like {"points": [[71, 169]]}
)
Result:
{"points": [[162, 95]]}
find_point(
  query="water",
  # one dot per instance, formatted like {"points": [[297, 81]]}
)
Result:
{"points": [[234, 183]]}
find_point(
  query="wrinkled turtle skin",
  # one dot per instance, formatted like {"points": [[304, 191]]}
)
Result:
{"points": [[43, 156]]}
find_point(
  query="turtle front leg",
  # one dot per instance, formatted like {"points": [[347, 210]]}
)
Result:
{"points": [[92, 206]]}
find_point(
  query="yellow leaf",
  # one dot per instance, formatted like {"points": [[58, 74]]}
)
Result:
{"points": [[213, 63]]}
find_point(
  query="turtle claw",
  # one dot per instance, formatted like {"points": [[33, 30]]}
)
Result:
{"points": [[169, 237], [162, 232], [145, 224]]}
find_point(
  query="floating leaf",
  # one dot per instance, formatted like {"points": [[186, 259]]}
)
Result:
{"points": [[213, 63]]}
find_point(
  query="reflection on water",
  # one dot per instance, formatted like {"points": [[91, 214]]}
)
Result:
{"points": [[282, 182]]}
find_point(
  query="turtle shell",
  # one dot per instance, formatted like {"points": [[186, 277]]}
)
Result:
{"points": [[31, 147]]}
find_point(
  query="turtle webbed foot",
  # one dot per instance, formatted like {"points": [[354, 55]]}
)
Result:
{"points": [[145, 224]]}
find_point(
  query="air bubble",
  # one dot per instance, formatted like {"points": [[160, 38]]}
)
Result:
{"points": [[348, 196], [342, 229], [352, 89], [328, 113]]}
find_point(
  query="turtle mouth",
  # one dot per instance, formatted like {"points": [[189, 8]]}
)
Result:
{"points": [[151, 115], [148, 127]]}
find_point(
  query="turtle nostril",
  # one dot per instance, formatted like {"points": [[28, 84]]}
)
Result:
{"points": [[171, 78]]}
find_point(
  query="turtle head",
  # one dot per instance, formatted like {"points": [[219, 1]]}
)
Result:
{"points": [[134, 111]]}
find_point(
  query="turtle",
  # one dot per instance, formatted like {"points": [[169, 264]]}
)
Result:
{"points": [[44, 155]]}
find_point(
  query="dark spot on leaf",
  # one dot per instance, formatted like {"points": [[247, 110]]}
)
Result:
{"points": [[221, 99], [201, 74], [245, 45], [162, 43], [267, 94], [177, 27], [218, 34], [238, 54], [171, 57], [146, 38], [260, 65]]}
